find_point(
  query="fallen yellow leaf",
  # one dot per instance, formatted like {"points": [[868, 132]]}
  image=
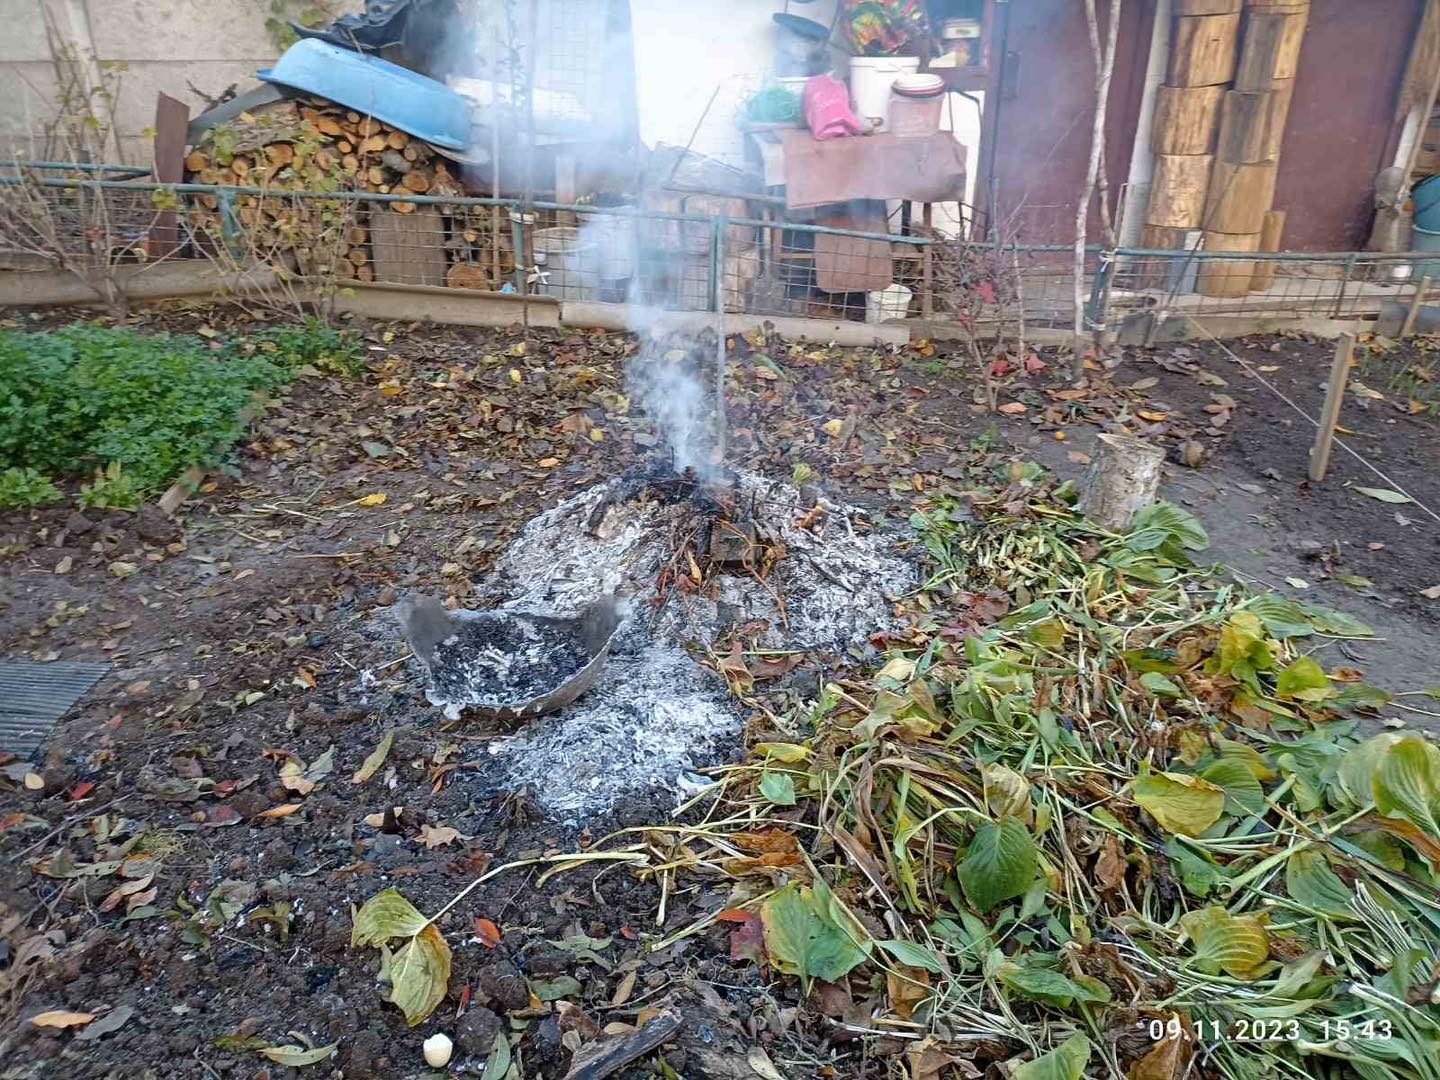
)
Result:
{"points": [[833, 428], [283, 810], [1153, 417], [376, 499], [597, 435], [549, 462], [59, 1018], [1014, 408]]}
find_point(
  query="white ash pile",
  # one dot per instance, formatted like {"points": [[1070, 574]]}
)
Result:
{"points": [[697, 563]]}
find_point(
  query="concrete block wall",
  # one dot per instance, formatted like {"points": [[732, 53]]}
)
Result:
{"points": [[185, 48]]}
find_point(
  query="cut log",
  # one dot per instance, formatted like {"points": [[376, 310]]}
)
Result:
{"points": [[1252, 125], [1187, 119], [467, 276], [417, 180], [411, 152], [1207, 7], [1227, 277], [345, 146], [396, 140], [195, 161], [1124, 480], [1271, 238], [1240, 196], [1204, 50], [1273, 40], [1177, 193], [373, 144]]}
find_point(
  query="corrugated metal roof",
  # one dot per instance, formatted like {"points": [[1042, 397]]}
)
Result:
{"points": [[34, 696]]}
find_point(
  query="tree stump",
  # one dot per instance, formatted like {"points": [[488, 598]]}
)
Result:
{"points": [[1124, 480]]}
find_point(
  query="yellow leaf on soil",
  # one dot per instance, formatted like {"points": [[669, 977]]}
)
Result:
{"points": [[377, 499], [59, 1018]]}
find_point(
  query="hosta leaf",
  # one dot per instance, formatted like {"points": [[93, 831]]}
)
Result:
{"points": [[1052, 987], [1408, 783], [1355, 776], [384, 916], [1159, 685], [1385, 495], [1235, 944], [419, 974], [801, 939], [1243, 794], [298, 1056], [1065, 1062], [1310, 881], [999, 864], [1244, 651], [1157, 525], [1247, 755], [1197, 874], [1304, 680], [1182, 804], [1007, 792], [912, 955], [1281, 618], [778, 787], [1336, 623], [783, 752]]}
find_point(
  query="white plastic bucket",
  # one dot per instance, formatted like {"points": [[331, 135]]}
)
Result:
{"points": [[890, 303], [567, 262], [871, 78]]}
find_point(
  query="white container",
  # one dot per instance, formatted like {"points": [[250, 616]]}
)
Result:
{"points": [[871, 79], [891, 303], [567, 260]]}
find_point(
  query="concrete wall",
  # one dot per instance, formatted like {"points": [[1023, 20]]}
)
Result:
{"points": [[164, 45]]}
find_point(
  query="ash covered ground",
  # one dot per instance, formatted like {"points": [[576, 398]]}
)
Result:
{"points": [[821, 582]]}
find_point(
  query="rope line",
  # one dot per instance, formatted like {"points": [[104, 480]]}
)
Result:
{"points": [[1361, 458]]}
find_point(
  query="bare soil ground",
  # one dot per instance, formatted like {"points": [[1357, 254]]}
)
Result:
{"points": [[240, 633]]}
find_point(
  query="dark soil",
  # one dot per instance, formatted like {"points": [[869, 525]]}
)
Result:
{"points": [[257, 632], [1383, 550]]}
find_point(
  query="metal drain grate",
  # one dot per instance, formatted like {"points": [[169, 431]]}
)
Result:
{"points": [[34, 696]]}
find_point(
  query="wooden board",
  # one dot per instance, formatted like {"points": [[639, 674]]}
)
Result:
{"points": [[1204, 50], [1207, 7], [1285, 6], [1252, 125], [1270, 239], [1271, 53], [1229, 278], [1187, 119], [1240, 196], [408, 248], [172, 117], [1177, 192]]}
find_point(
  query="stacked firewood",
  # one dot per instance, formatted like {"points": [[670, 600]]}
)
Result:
{"points": [[310, 144]]}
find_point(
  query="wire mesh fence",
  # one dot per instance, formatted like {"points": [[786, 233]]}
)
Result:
{"points": [[701, 256]]}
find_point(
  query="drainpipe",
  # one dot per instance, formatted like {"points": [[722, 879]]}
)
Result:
{"points": [[998, 93]]}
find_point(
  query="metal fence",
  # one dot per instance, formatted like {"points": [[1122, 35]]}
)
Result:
{"points": [[701, 259]]}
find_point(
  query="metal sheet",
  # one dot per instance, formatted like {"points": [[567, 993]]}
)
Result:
{"points": [[34, 696]]}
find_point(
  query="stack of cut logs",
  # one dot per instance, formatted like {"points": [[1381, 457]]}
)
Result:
{"points": [[310, 144], [1219, 123]]}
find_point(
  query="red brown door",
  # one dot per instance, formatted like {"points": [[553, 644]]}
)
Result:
{"points": [[1041, 128], [1352, 64]]}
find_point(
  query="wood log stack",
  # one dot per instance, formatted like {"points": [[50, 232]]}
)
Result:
{"points": [[310, 144], [1219, 124]]}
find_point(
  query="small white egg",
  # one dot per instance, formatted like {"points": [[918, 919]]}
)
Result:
{"points": [[438, 1049]]}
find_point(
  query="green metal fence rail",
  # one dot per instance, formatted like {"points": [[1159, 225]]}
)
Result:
{"points": [[701, 262]]}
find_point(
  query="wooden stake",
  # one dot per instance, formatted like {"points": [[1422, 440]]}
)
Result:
{"points": [[1334, 398], [1415, 305]]}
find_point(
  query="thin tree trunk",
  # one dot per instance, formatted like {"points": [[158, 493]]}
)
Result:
{"points": [[1104, 71]]}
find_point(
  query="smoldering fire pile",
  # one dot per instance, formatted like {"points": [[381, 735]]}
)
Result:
{"points": [[702, 563]]}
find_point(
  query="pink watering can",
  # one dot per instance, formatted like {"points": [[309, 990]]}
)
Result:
{"points": [[827, 108]]}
